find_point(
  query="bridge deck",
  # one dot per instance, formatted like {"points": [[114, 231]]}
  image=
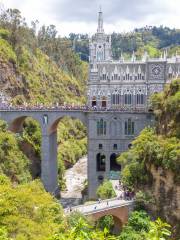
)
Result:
{"points": [[103, 205]]}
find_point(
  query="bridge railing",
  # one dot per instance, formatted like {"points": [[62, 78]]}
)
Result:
{"points": [[82, 108], [99, 206]]}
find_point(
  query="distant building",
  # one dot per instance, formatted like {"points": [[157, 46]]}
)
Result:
{"points": [[119, 85]]}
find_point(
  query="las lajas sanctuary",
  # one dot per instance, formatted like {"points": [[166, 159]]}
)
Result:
{"points": [[122, 88]]}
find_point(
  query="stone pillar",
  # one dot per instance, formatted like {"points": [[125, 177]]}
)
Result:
{"points": [[49, 167]]}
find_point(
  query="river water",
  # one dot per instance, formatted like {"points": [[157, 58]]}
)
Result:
{"points": [[75, 178]]}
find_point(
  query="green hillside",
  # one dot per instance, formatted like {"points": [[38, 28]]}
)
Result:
{"points": [[30, 76]]}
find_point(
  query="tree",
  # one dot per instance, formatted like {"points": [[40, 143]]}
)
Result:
{"points": [[159, 230], [105, 190]]}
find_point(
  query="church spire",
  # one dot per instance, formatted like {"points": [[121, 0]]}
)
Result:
{"points": [[100, 22]]}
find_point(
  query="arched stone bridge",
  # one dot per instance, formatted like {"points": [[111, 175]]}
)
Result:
{"points": [[49, 119], [119, 209]]}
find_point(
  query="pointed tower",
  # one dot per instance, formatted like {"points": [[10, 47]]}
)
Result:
{"points": [[100, 22], [100, 43]]}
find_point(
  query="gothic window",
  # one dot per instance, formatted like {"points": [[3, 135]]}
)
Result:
{"points": [[104, 101], [101, 127], [139, 76], [115, 98], [94, 101], [101, 162], [129, 127], [115, 77], [100, 146], [99, 55], [127, 76], [140, 99], [104, 76], [115, 146], [128, 99]]}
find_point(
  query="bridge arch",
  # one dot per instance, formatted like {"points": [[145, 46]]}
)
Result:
{"points": [[55, 121], [117, 221], [16, 123]]}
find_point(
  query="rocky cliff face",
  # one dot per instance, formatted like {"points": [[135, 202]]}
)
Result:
{"points": [[166, 194], [11, 82]]}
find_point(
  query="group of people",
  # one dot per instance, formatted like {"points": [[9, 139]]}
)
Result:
{"points": [[125, 193], [66, 107]]}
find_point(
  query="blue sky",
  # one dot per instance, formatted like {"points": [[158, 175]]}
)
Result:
{"points": [[80, 16]]}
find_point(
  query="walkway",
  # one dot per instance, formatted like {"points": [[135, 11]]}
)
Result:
{"points": [[99, 207]]}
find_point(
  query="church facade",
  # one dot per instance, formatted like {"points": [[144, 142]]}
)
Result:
{"points": [[122, 89]]}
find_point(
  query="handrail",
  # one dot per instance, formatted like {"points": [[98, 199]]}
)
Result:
{"points": [[83, 207]]}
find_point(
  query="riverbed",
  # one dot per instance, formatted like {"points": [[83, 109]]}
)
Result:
{"points": [[75, 178]]}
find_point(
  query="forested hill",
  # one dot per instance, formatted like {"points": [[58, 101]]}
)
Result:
{"points": [[38, 67]]}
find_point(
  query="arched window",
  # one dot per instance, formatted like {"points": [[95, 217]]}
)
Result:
{"points": [[99, 55], [101, 127], [115, 76], [114, 166], [115, 98], [94, 101], [140, 99], [100, 146], [129, 127], [115, 146], [127, 76], [104, 76], [139, 76], [100, 162], [128, 99], [104, 102]]}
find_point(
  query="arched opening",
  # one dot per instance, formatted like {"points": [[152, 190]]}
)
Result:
{"points": [[112, 223], [100, 162], [94, 102], [71, 150], [114, 166], [29, 137], [31, 144], [104, 102]]}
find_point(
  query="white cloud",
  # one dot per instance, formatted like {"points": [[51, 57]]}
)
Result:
{"points": [[80, 15]]}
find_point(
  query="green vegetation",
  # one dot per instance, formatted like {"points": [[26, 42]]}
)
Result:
{"points": [[105, 190], [28, 212], [160, 147], [13, 162], [140, 227], [42, 69], [106, 222]]}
